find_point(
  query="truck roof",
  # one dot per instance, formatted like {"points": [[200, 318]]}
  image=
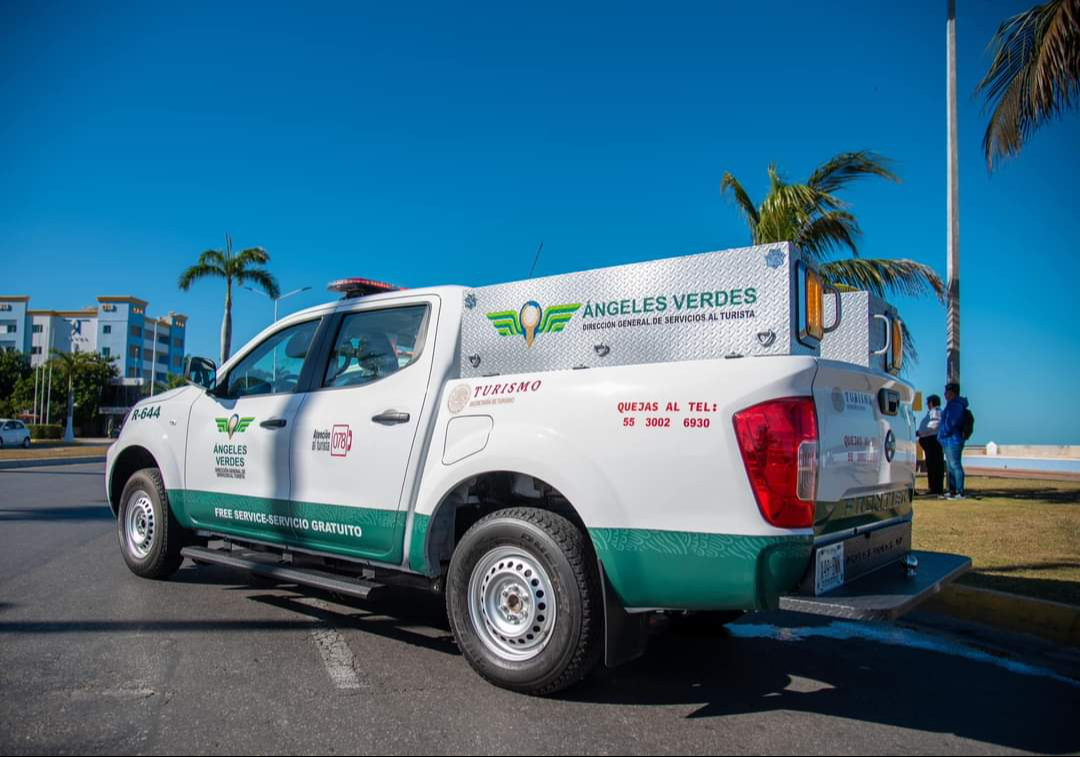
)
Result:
{"points": [[347, 303]]}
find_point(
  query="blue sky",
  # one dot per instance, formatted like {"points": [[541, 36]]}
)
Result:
{"points": [[429, 144]]}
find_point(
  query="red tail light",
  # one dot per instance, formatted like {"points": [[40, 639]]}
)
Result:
{"points": [[779, 444]]}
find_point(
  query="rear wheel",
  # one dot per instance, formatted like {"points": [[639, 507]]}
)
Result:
{"points": [[150, 537], [26, 443], [523, 596]]}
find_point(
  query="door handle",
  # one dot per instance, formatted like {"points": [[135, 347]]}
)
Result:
{"points": [[390, 417], [274, 423]]}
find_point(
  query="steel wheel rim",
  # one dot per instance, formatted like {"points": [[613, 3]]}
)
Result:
{"points": [[512, 603], [140, 524]]}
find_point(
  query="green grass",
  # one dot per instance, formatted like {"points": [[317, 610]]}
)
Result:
{"points": [[1023, 535], [50, 450]]}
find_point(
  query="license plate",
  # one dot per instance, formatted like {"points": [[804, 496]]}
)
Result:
{"points": [[829, 572]]}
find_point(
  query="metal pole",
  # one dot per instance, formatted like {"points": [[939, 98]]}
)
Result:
{"points": [[153, 361], [34, 412], [48, 402], [953, 312]]}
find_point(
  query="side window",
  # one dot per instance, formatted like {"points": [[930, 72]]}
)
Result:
{"points": [[9, 426], [274, 365], [374, 344]]}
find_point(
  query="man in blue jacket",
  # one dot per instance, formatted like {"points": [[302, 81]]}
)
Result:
{"points": [[951, 437]]}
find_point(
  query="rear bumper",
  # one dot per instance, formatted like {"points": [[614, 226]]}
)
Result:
{"points": [[886, 593]]}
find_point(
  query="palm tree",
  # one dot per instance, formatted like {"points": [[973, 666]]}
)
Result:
{"points": [[823, 226], [69, 364], [1034, 76], [241, 268]]}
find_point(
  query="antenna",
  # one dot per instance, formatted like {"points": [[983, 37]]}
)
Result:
{"points": [[536, 259]]}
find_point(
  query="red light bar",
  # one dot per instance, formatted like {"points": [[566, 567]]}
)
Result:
{"points": [[360, 287]]}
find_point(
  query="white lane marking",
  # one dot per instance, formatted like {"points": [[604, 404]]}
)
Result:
{"points": [[891, 635], [336, 656]]}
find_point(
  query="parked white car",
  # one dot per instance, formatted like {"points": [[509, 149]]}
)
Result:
{"points": [[14, 434], [561, 457]]}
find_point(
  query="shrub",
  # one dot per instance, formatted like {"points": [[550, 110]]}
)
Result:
{"points": [[42, 431]]}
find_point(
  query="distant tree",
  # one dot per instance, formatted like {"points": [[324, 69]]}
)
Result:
{"points": [[14, 366], [1034, 76], [174, 381], [79, 383], [241, 268]]}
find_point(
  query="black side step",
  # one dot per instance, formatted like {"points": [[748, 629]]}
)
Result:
{"points": [[353, 587]]}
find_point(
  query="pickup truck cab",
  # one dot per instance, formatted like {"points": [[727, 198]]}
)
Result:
{"points": [[559, 481]]}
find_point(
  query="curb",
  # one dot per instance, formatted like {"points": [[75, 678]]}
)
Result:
{"points": [[47, 461], [1053, 621]]}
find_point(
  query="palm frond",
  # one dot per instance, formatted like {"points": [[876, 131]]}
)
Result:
{"points": [[196, 272], [884, 277], [742, 199], [1033, 77], [776, 181], [840, 170], [212, 258], [788, 209], [252, 256], [830, 232], [260, 278]]}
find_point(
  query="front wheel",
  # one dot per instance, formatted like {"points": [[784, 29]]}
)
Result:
{"points": [[150, 537], [523, 596]]}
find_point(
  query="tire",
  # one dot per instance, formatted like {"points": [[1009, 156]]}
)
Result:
{"points": [[524, 599], [150, 537], [26, 443]]}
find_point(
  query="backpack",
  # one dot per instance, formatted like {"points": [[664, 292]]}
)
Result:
{"points": [[967, 424]]}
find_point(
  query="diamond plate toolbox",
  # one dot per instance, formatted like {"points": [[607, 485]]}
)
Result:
{"points": [[732, 303], [861, 332]]}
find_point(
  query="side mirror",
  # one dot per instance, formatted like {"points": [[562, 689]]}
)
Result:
{"points": [[201, 371]]}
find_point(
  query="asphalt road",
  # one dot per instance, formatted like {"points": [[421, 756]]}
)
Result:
{"points": [[95, 660]]}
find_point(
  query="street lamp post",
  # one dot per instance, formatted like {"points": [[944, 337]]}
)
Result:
{"points": [[952, 329], [276, 299]]}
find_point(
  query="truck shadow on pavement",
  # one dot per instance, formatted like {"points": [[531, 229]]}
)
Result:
{"points": [[942, 687], [80, 512], [772, 662], [373, 620]]}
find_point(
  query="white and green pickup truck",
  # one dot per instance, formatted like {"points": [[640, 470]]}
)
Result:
{"points": [[562, 457]]}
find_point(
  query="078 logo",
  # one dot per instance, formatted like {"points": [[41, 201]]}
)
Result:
{"points": [[340, 440]]}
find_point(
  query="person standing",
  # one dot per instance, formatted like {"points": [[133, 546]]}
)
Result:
{"points": [[928, 440], [951, 435]]}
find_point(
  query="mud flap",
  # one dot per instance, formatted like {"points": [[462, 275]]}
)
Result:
{"points": [[625, 634]]}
